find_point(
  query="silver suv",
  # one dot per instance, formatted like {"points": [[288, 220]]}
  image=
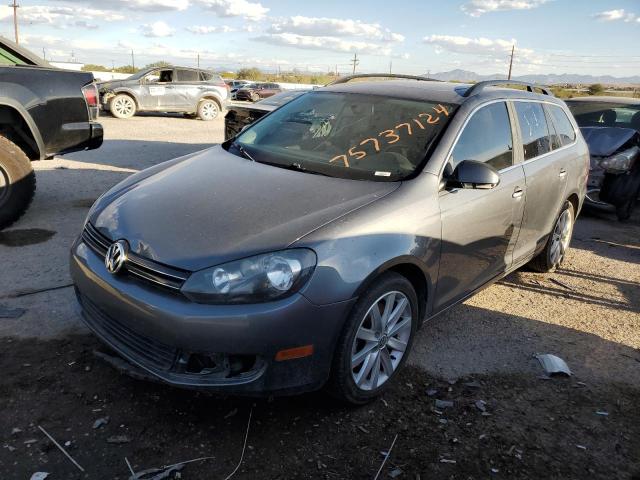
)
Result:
{"points": [[307, 250]]}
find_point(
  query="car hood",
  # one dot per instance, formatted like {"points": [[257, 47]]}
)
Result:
{"points": [[605, 141], [214, 207]]}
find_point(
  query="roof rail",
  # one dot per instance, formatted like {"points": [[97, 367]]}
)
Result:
{"points": [[480, 86], [348, 78]]}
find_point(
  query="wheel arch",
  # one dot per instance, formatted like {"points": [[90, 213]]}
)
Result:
{"points": [[410, 268], [126, 91], [210, 96], [575, 201], [19, 122]]}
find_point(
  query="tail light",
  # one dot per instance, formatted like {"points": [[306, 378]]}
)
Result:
{"points": [[90, 93]]}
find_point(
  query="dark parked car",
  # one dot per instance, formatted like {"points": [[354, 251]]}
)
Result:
{"points": [[234, 86], [255, 91], [239, 116], [44, 111], [611, 127], [167, 89], [309, 249]]}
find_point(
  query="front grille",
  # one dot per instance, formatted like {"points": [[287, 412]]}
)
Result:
{"points": [[146, 350], [148, 270]]}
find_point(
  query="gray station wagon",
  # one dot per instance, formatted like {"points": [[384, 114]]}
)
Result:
{"points": [[307, 250]]}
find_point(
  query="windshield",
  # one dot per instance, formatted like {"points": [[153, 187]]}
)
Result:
{"points": [[605, 114], [347, 135]]}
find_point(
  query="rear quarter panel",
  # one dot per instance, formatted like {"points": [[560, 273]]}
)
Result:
{"points": [[54, 101]]}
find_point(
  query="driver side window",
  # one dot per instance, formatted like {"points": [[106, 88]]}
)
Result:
{"points": [[486, 138]]}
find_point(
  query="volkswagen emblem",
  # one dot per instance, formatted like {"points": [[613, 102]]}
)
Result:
{"points": [[116, 256]]}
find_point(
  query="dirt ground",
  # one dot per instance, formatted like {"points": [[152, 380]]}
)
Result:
{"points": [[588, 313], [532, 428]]}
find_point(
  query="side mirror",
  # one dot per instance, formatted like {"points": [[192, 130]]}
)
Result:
{"points": [[473, 174]]}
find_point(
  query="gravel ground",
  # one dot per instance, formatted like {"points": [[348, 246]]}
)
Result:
{"points": [[588, 313]]}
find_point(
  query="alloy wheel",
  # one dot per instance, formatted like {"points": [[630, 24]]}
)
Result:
{"points": [[561, 237], [209, 111], [381, 340], [123, 106]]}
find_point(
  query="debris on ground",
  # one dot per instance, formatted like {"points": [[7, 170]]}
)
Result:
{"points": [[396, 472], [553, 365], [481, 405], [157, 473], [443, 403], [100, 422], [39, 476], [432, 392], [602, 413], [117, 439], [386, 457], [61, 448], [232, 413]]}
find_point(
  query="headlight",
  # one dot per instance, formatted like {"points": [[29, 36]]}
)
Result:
{"points": [[620, 162], [252, 280]]}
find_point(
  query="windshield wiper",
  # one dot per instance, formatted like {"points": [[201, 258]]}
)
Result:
{"points": [[244, 153], [299, 168]]}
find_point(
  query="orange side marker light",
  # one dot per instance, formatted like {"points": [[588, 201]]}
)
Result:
{"points": [[293, 353]]}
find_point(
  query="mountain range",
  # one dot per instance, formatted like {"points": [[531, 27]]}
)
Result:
{"points": [[550, 79]]}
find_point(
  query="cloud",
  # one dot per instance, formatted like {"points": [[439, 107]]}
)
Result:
{"points": [[475, 8], [157, 29], [617, 15], [253, 11], [205, 30], [334, 27], [323, 43], [138, 5], [497, 49], [60, 16]]}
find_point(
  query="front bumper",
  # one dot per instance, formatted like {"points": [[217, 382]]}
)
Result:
{"points": [[157, 330]]}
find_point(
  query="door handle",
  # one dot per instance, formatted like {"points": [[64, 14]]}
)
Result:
{"points": [[517, 193], [562, 173]]}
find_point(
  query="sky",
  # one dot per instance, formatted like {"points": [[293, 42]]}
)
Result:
{"points": [[410, 36]]}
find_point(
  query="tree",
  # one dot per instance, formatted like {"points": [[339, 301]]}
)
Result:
{"points": [[249, 74], [92, 67], [160, 63], [126, 69], [595, 89]]}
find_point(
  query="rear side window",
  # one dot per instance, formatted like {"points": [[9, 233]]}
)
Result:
{"points": [[187, 76], [563, 127], [206, 76], [534, 129], [486, 138]]}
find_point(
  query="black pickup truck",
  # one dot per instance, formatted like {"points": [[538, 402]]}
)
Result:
{"points": [[44, 112]]}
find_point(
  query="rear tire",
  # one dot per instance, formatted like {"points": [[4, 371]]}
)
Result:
{"points": [[208, 110], [17, 182], [554, 252], [122, 106], [370, 352]]}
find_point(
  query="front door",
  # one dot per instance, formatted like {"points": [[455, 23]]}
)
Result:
{"points": [[480, 227], [187, 88]]}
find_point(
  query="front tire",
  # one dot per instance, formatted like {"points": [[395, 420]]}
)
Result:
{"points": [[376, 340], [122, 106], [17, 182], [208, 110], [557, 245]]}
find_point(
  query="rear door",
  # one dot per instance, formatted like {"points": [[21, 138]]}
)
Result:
{"points": [[186, 89], [480, 227], [546, 163]]}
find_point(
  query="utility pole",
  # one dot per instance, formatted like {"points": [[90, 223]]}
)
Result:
{"points": [[355, 62], [15, 7], [390, 65], [336, 70], [513, 48], [198, 60], [44, 55], [133, 61]]}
